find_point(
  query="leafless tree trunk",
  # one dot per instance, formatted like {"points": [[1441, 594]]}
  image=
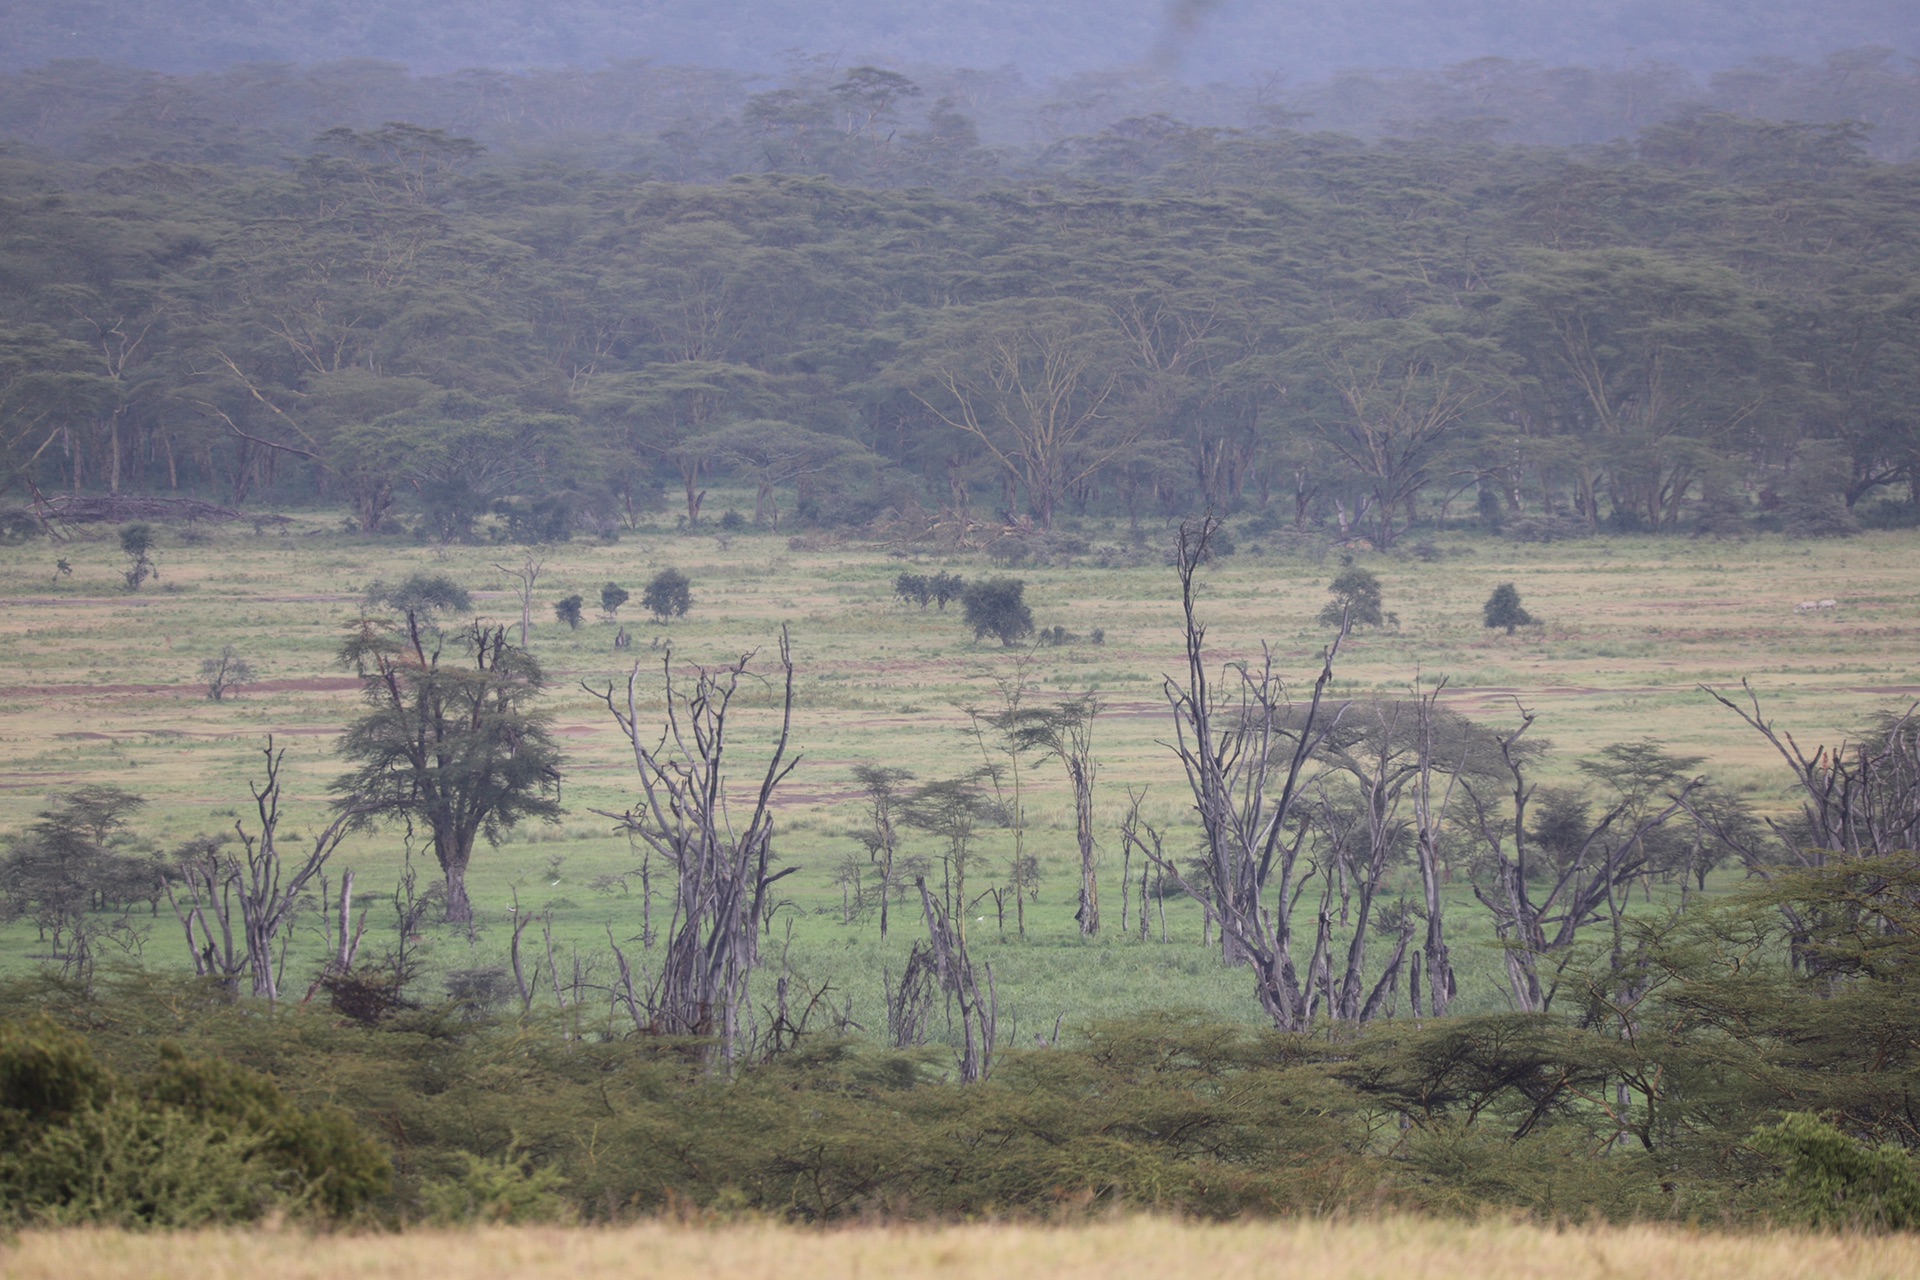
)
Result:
{"points": [[722, 868], [953, 966], [260, 887], [526, 575], [1859, 799], [1244, 754]]}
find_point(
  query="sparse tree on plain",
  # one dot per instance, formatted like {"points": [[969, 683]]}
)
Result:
{"points": [[1356, 601], [226, 673], [1502, 609], [568, 611], [668, 595]]}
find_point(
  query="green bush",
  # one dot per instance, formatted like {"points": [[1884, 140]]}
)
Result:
{"points": [[507, 1188], [201, 1142], [1828, 1179]]}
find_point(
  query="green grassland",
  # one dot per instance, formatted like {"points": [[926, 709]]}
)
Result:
{"points": [[101, 686]]}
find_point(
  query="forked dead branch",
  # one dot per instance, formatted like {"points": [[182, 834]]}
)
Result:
{"points": [[723, 868]]}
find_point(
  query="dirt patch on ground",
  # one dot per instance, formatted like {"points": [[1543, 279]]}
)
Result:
{"points": [[312, 684]]}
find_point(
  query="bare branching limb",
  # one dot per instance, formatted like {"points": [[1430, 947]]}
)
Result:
{"points": [[952, 965], [723, 865], [250, 884], [1246, 753]]}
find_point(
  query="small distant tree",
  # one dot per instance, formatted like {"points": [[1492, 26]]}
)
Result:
{"points": [[568, 611], [226, 673], [669, 595], [915, 588], [137, 542], [1356, 601], [945, 586], [424, 595], [612, 596], [996, 607], [1502, 609]]}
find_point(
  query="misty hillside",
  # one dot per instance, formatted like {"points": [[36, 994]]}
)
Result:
{"points": [[1198, 40]]}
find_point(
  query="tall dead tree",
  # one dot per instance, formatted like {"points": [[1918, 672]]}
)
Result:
{"points": [[254, 883], [1065, 732], [1857, 799], [722, 864], [1246, 750], [953, 966]]}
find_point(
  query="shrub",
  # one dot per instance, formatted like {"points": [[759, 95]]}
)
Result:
{"points": [[137, 542], [612, 596], [501, 1189], [568, 611], [914, 588], [1502, 609], [669, 595], [1830, 1180], [995, 607], [1356, 601]]}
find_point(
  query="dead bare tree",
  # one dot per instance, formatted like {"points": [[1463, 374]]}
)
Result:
{"points": [[1857, 799], [1245, 751], [953, 966], [524, 576], [1065, 732], [722, 868], [258, 885]]}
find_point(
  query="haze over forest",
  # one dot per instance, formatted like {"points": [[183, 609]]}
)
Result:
{"points": [[1200, 40]]}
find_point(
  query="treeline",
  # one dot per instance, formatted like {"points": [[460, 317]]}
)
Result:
{"points": [[1733, 1089], [694, 123], [1711, 330]]}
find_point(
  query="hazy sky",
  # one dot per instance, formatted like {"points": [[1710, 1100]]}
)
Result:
{"points": [[1197, 39]]}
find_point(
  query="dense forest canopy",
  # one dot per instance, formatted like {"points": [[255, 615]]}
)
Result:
{"points": [[1201, 40], [890, 319]]}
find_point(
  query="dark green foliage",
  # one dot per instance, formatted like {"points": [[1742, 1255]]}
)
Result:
{"points": [[1356, 601], [451, 744], [1830, 1180], [913, 588], [137, 542], [669, 594], [196, 1142], [612, 596], [423, 595], [1502, 609], [568, 611], [46, 1074], [547, 519], [924, 589], [996, 607]]}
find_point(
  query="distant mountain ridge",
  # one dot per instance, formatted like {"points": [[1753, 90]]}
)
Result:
{"points": [[1197, 40]]}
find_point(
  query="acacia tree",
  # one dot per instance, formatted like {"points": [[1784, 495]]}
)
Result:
{"points": [[450, 743], [1034, 382], [1065, 732], [1246, 751]]}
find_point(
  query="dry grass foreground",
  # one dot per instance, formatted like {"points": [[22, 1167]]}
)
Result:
{"points": [[1402, 1249]]}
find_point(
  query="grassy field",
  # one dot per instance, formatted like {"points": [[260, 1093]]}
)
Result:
{"points": [[100, 685], [1141, 1247]]}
